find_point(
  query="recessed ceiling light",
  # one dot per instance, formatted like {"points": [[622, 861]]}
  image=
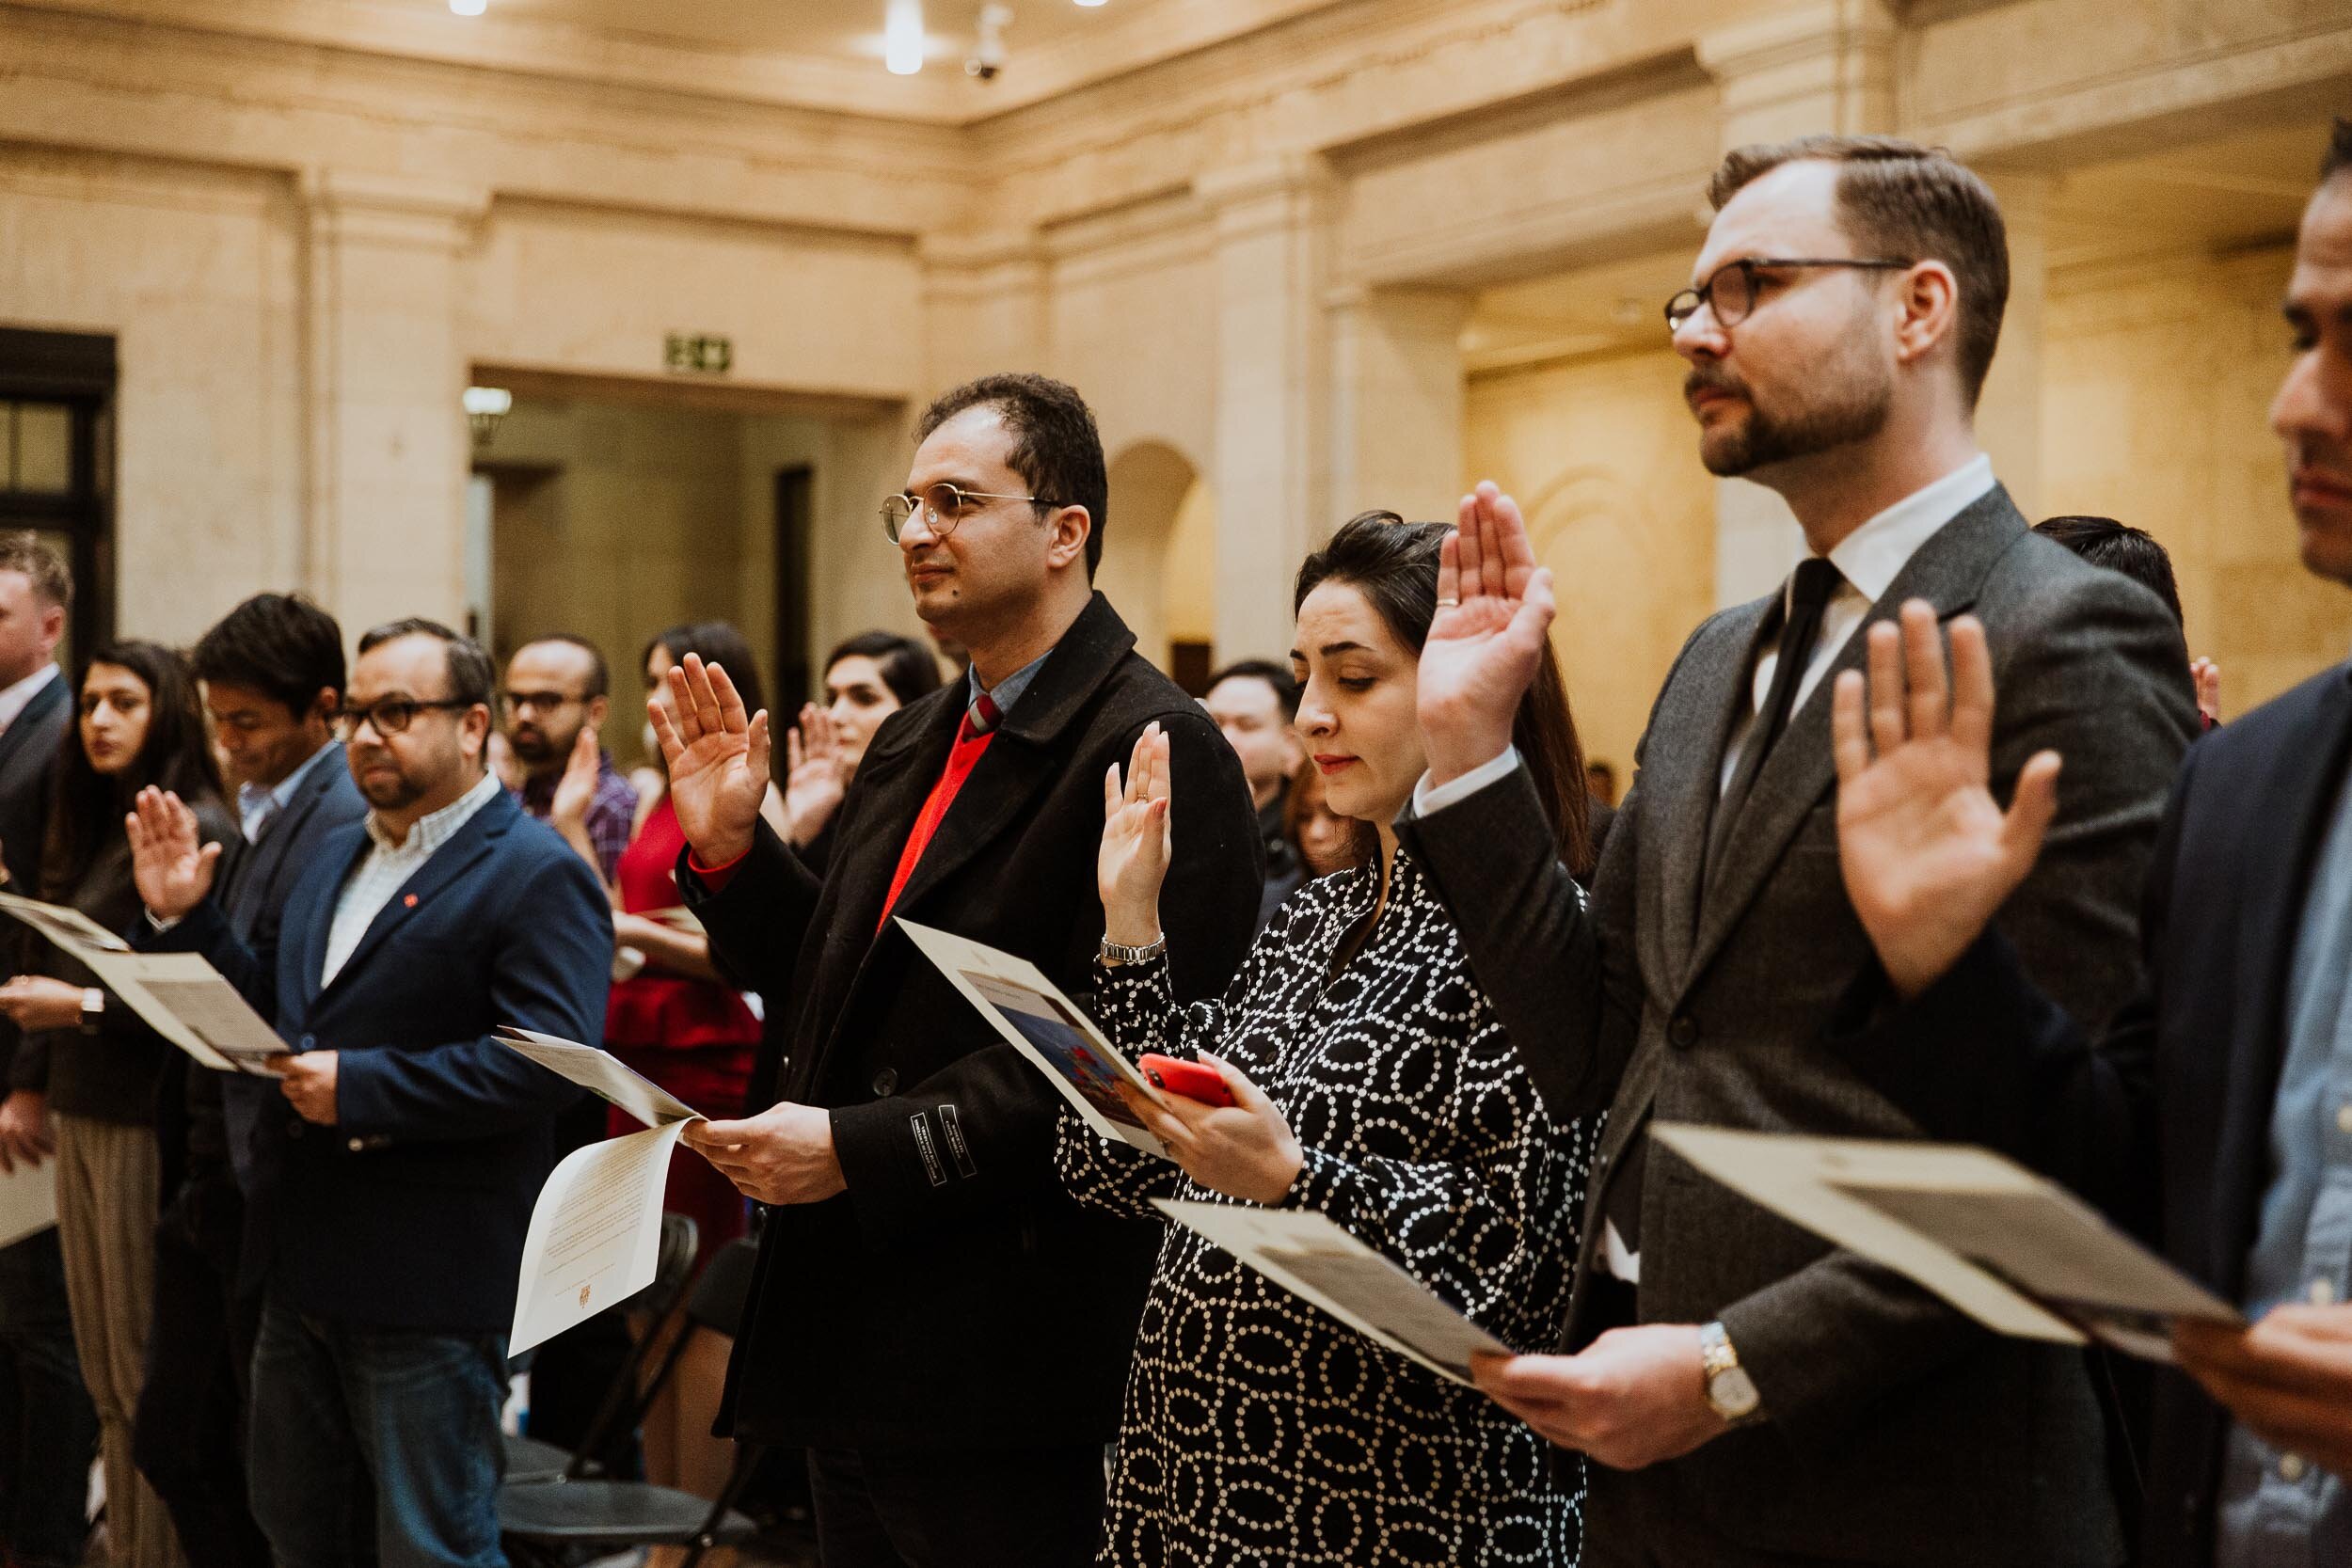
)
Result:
{"points": [[902, 36], [1089, 4], [470, 8]]}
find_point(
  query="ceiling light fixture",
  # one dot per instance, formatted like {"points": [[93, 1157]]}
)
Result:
{"points": [[470, 8], [902, 36], [1089, 4]]}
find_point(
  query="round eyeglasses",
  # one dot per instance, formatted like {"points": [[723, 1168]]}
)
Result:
{"points": [[943, 506], [1730, 290]]}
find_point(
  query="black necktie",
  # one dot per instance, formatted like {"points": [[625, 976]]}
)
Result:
{"points": [[1808, 595]]}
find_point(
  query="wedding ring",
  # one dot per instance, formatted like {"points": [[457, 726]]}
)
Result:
{"points": [[1448, 604]]}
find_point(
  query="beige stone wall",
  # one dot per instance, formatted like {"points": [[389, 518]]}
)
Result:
{"points": [[2160, 380], [1603, 457]]}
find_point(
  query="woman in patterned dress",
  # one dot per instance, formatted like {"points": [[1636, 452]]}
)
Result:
{"points": [[1374, 1084]]}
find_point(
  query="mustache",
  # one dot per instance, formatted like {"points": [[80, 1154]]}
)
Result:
{"points": [[1711, 378]]}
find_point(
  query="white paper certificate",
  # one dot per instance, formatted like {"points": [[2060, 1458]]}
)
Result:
{"points": [[1309, 1254], [28, 1200], [2016, 1252], [595, 1231]]}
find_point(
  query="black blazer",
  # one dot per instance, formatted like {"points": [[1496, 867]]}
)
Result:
{"points": [[410, 1213], [2165, 1120], [28, 753], [954, 1297]]}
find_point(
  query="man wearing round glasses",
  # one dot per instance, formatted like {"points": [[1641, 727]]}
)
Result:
{"points": [[933, 1320], [1750, 1394]]}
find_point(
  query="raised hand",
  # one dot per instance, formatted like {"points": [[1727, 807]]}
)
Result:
{"points": [[170, 866], [1929, 855], [1494, 608], [2208, 677], [1136, 842], [576, 791], [813, 781], [716, 758]]}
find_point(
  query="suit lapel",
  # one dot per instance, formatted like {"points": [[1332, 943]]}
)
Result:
{"points": [[2280, 868], [1947, 570], [445, 865], [1678, 782], [899, 781], [45, 702], [342, 850]]}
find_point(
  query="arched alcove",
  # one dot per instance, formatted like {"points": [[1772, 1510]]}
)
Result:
{"points": [[1159, 553]]}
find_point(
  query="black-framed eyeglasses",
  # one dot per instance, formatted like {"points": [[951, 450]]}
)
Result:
{"points": [[1730, 290], [389, 715], [537, 701], [943, 506]]}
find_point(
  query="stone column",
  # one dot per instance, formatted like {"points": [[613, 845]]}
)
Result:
{"points": [[983, 306], [1272, 479], [1396, 400], [388, 451], [1825, 67]]}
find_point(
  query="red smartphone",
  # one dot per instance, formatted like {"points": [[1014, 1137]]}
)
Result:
{"points": [[1190, 1079]]}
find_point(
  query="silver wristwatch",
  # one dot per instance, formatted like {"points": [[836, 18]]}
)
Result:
{"points": [[1118, 954], [1730, 1388]]}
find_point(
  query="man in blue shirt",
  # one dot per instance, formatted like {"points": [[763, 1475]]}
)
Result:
{"points": [[2216, 1112]]}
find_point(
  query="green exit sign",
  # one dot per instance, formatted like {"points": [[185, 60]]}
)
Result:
{"points": [[695, 355]]}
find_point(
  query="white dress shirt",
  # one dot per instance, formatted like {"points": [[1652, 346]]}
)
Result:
{"points": [[256, 805], [14, 699], [387, 865], [1867, 561]]}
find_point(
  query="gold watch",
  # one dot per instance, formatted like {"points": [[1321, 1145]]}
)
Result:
{"points": [[1730, 1388]]}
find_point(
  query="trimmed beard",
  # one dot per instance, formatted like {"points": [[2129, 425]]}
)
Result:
{"points": [[1850, 406]]}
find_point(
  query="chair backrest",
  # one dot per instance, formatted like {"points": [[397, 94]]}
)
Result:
{"points": [[673, 1265], [725, 1290]]}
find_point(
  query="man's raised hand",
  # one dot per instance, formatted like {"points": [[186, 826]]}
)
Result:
{"points": [[717, 756], [1494, 608], [170, 864], [1929, 856]]}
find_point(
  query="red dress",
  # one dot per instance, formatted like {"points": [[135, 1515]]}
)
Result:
{"points": [[694, 1037]]}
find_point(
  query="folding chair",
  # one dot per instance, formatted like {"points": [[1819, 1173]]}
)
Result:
{"points": [[530, 1461], [548, 1525]]}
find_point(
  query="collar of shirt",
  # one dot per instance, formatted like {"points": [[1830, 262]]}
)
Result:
{"points": [[1872, 556], [431, 831], [256, 805], [14, 700], [1007, 691]]}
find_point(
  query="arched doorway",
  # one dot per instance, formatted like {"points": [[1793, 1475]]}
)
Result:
{"points": [[1159, 557]]}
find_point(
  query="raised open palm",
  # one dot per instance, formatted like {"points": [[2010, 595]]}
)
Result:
{"points": [[717, 756], [1928, 854], [170, 864], [1486, 641], [1136, 842], [813, 780]]}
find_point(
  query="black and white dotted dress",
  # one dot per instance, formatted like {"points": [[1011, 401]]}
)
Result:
{"points": [[1257, 1430]]}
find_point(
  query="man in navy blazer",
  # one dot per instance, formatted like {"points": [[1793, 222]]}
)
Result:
{"points": [[273, 673], [2215, 1115], [401, 1170]]}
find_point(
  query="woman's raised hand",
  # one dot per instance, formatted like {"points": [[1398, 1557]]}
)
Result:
{"points": [[1137, 839], [813, 780]]}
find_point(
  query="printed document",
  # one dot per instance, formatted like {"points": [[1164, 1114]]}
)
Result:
{"points": [[181, 995], [1037, 1021], [596, 1232], [28, 1200], [1311, 1257], [2016, 1252]]}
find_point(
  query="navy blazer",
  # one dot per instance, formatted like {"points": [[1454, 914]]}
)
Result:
{"points": [[2164, 1120], [28, 755], [410, 1211]]}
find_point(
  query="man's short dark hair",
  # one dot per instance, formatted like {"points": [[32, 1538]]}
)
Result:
{"points": [[2119, 548], [1274, 676], [278, 644], [599, 674], [2339, 158], [1897, 199], [21, 550], [471, 676], [1055, 448]]}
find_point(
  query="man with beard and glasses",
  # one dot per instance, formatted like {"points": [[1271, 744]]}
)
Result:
{"points": [[1750, 1394], [558, 692], [396, 1178]]}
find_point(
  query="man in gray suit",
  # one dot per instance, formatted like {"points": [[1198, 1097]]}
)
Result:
{"points": [[1750, 1395]]}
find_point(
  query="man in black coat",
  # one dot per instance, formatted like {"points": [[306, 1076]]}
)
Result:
{"points": [[944, 1329], [2214, 1116], [273, 674], [47, 1427]]}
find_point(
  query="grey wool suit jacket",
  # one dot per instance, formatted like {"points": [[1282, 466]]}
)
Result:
{"points": [[1897, 1431]]}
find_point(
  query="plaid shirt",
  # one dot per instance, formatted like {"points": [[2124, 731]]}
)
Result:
{"points": [[611, 814], [389, 866]]}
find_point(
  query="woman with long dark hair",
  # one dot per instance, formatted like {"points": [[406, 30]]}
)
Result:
{"points": [[97, 1063], [867, 678], [1373, 1082]]}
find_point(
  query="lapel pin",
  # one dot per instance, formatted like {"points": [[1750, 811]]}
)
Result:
{"points": [[411, 902]]}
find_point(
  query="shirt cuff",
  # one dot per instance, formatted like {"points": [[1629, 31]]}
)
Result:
{"points": [[159, 923], [1428, 799], [714, 877]]}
